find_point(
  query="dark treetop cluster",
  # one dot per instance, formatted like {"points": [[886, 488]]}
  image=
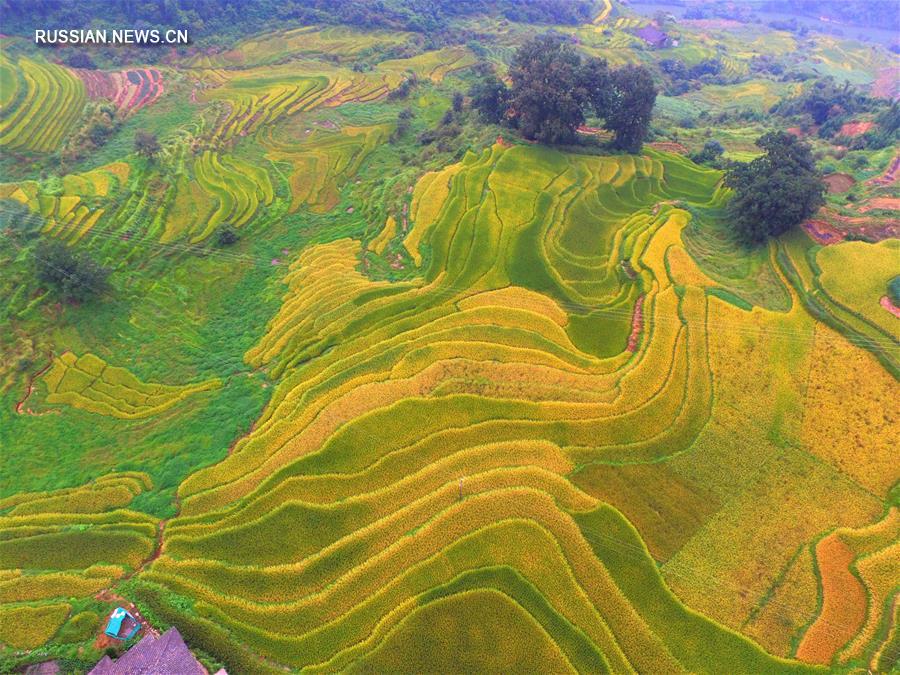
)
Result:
{"points": [[554, 88], [775, 191]]}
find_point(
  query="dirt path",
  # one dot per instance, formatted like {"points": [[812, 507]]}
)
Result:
{"points": [[109, 595], [31, 385], [889, 175], [637, 324]]}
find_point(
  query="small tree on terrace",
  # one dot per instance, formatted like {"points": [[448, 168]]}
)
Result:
{"points": [[710, 154], [490, 98], [146, 144], [458, 101], [74, 276], [776, 191]]}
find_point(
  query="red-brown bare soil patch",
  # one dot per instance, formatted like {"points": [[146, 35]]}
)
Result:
{"points": [[843, 604], [855, 128], [669, 146], [839, 182]]}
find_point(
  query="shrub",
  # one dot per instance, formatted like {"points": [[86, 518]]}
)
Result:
{"points": [[894, 290], [74, 276], [710, 154], [146, 144], [227, 235], [80, 627]]}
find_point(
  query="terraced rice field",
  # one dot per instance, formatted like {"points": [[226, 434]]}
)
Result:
{"points": [[335, 41], [433, 421], [605, 10], [432, 65], [43, 103], [74, 213], [89, 383], [257, 97], [129, 90], [61, 547], [851, 313], [497, 408], [322, 161]]}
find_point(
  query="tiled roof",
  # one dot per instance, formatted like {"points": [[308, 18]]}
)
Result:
{"points": [[651, 34], [151, 656]]}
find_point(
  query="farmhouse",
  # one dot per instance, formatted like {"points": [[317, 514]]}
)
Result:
{"points": [[653, 36]]}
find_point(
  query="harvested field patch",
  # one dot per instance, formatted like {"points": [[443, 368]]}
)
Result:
{"points": [[129, 90], [839, 182], [885, 203], [843, 605], [666, 146], [887, 83]]}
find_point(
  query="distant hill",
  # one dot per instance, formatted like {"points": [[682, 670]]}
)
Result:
{"points": [[23, 16]]}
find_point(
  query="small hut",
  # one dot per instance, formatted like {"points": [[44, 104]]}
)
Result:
{"points": [[122, 625], [653, 36]]}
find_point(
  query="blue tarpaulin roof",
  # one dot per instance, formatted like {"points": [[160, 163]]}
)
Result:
{"points": [[114, 626]]}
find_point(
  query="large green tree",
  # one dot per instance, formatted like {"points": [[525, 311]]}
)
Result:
{"points": [[631, 106], [548, 93], [554, 88], [775, 191]]}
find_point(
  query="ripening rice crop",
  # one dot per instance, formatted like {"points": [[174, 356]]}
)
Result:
{"points": [[433, 65], [66, 544], [852, 414], [790, 482], [843, 60], [855, 274], [537, 426], [875, 551], [322, 161], [238, 188], [381, 241], [40, 119], [32, 587], [71, 215], [605, 9], [625, 22], [797, 257], [759, 95], [89, 383], [855, 584], [420, 441], [342, 42], [25, 627], [257, 97], [10, 83], [788, 607]]}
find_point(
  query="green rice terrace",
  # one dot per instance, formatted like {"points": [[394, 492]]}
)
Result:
{"points": [[309, 352]]}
